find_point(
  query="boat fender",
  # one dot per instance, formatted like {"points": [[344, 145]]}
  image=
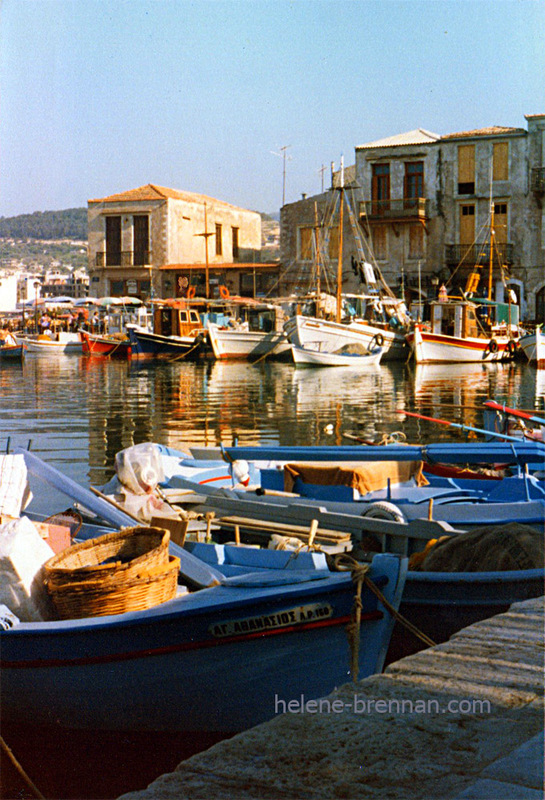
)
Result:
{"points": [[511, 347], [191, 292], [377, 340], [224, 292], [492, 346], [384, 510]]}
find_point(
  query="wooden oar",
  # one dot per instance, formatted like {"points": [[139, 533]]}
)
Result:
{"points": [[514, 412], [460, 426]]}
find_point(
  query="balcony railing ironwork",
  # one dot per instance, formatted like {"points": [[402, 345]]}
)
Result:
{"points": [[123, 258], [537, 180], [469, 255], [406, 208]]}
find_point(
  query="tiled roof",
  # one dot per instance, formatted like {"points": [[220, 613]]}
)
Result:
{"points": [[152, 192], [418, 136], [494, 130]]}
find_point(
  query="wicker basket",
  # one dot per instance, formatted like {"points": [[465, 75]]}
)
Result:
{"points": [[123, 552], [117, 593]]}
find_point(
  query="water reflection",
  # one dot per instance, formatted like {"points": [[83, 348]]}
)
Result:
{"points": [[79, 412]]}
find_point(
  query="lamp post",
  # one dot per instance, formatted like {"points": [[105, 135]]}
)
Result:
{"points": [[37, 285]]}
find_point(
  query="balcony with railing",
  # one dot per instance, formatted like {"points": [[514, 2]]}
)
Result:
{"points": [[123, 258], [537, 180], [468, 255], [403, 210]]}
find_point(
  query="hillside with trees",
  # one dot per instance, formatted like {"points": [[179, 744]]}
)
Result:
{"points": [[50, 225]]}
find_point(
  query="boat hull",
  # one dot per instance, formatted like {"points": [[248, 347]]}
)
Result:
{"points": [[307, 357], [11, 352], [64, 344], [231, 343], [93, 345], [430, 348], [145, 343], [533, 347], [222, 659], [308, 331]]}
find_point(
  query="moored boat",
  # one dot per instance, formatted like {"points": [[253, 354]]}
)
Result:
{"points": [[317, 356], [10, 349], [115, 345], [533, 347], [62, 343], [255, 330]]}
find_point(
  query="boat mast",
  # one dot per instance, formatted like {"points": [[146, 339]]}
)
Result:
{"points": [[340, 261], [317, 254]]}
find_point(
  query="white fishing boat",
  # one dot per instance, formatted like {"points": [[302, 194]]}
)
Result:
{"points": [[318, 356], [61, 343], [305, 331], [255, 332], [533, 347], [456, 336], [376, 318]]}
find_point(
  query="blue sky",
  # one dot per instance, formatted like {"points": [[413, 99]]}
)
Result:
{"points": [[99, 96]]}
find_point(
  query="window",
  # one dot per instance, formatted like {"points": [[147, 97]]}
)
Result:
{"points": [[141, 239], [113, 241], [414, 180], [219, 244], [305, 244], [380, 188], [380, 242], [500, 222], [234, 234], [416, 241], [500, 161], [467, 224], [466, 169]]}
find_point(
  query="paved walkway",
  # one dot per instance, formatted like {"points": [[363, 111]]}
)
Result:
{"points": [[461, 720]]}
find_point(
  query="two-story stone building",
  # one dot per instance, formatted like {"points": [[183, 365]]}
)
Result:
{"points": [[424, 204], [153, 242]]}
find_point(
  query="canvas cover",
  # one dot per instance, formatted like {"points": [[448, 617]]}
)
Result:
{"points": [[355, 474]]}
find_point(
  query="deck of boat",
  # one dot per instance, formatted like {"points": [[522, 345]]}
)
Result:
{"points": [[487, 743]]}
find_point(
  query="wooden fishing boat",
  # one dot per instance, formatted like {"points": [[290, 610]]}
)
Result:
{"points": [[177, 331], [254, 330], [257, 633], [376, 318], [317, 356], [62, 343], [456, 336], [533, 347], [10, 349], [104, 345]]}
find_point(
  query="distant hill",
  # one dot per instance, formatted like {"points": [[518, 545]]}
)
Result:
{"points": [[68, 224]]}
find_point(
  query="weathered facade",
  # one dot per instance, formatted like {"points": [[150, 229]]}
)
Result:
{"points": [[155, 242], [424, 202]]}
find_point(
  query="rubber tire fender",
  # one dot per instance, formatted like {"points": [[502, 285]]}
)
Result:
{"points": [[382, 509], [378, 340]]}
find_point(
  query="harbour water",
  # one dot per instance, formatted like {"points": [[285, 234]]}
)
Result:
{"points": [[78, 412]]}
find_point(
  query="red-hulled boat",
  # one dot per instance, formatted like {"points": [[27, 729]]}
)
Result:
{"points": [[104, 345]]}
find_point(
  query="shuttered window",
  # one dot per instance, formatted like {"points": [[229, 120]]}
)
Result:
{"points": [[305, 244], [466, 169], [380, 242], [416, 241], [500, 162]]}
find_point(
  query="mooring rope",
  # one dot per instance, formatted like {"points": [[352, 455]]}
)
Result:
{"points": [[30, 783], [344, 563]]}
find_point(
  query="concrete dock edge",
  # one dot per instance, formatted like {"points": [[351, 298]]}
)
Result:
{"points": [[463, 719]]}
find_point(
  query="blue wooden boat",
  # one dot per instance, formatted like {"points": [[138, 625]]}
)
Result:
{"points": [[264, 629], [461, 502], [221, 659], [10, 349]]}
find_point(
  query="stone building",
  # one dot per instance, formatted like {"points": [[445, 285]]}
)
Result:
{"points": [[424, 203], [156, 242]]}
